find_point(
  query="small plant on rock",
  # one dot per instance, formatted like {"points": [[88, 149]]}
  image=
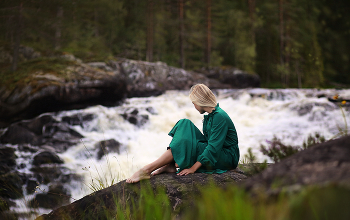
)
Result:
{"points": [[250, 165], [276, 150]]}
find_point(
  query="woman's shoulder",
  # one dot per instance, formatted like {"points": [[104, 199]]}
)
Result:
{"points": [[222, 115]]}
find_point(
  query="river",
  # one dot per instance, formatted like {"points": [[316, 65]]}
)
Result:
{"points": [[258, 115]]}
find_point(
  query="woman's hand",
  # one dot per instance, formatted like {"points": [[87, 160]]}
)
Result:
{"points": [[186, 172], [193, 169]]}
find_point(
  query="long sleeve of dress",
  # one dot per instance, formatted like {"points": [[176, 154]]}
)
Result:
{"points": [[216, 131]]}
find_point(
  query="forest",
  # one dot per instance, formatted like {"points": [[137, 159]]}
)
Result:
{"points": [[288, 43]]}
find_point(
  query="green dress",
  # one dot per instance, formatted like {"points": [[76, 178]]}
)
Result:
{"points": [[217, 150]]}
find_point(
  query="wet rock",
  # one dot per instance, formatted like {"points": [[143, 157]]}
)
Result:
{"points": [[60, 136], [151, 110], [306, 108], [16, 134], [47, 174], [40, 131], [27, 148], [132, 115], [31, 186], [11, 185], [53, 173], [106, 147], [60, 129], [78, 119], [55, 197], [37, 124], [46, 157], [7, 160]]}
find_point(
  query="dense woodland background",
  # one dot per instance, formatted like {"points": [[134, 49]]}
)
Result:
{"points": [[288, 43]]}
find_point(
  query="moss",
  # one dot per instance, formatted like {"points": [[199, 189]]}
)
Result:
{"points": [[25, 71]]}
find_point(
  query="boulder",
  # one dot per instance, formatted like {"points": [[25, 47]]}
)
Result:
{"points": [[80, 86], [42, 131], [236, 78], [148, 79], [132, 115], [106, 147], [46, 157], [55, 197], [37, 124], [51, 173], [178, 189], [321, 164], [16, 134], [78, 119]]}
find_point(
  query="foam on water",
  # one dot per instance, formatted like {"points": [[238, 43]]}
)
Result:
{"points": [[258, 114]]}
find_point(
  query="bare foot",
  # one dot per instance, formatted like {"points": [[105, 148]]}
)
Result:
{"points": [[139, 175], [169, 168]]}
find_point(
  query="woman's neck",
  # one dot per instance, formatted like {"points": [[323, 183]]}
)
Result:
{"points": [[208, 109]]}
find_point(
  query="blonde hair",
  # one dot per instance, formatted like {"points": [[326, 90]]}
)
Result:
{"points": [[201, 95]]}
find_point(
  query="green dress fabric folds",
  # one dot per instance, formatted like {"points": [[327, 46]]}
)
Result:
{"points": [[216, 149]]}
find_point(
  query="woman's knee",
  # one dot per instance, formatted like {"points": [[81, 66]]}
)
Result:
{"points": [[185, 121]]}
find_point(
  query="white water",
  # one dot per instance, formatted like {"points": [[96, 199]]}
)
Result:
{"points": [[258, 115]]}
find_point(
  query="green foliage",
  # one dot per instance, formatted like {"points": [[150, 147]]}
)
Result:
{"points": [[149, 205], [215, 203], [305, 46], [250, 165], [313, 139], [25, 70], [103, 179], [330, 202], [276, 150], [342, 131], [327, 202]]}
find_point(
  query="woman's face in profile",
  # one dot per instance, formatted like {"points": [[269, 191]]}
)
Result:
{"points": [[199, 108]]}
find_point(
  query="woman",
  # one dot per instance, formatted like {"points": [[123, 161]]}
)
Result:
{"points": [[214, 151]]}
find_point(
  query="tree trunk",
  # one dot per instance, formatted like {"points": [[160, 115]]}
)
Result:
{"points": [[181, 33], [251, 4], [288, 47], [18, 32], [149, 54], [96, 23], [58, 32], [281, 38], [298, 74], [208, 40]]}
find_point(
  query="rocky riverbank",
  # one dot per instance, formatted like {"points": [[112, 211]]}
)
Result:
{"points": [[320, 165], [79, 84]]}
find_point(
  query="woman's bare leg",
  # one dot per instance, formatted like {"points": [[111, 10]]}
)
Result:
{"points": [[169, 168], [145, 172]]}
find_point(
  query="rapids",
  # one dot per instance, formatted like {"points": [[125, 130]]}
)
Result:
{"points": [[258, 114]]}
